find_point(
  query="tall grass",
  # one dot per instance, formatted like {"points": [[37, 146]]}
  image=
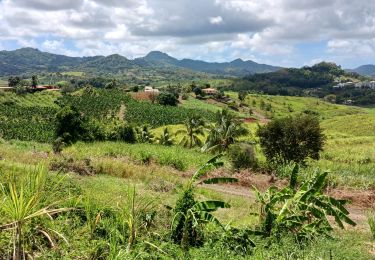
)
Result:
{"points": [[371, 222], [25, 199]]}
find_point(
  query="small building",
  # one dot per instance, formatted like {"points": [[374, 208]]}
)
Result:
{"points": [[209, 91], [151, 89], [45, 87]]}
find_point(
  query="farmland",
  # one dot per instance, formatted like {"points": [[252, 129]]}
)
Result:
{"points": [[100, 177]]}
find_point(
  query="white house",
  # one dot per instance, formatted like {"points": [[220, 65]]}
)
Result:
{"points": [[151, 89]]}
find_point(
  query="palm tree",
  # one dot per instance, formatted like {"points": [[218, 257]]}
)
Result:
{"points": [[165, 138], [144, 134], [225, 132], [194, 127]]}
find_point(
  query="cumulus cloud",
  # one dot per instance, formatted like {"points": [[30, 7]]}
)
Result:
{"points": [[269, 30], [216, 20]]}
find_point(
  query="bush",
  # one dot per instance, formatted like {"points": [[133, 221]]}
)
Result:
{"points": [[128, 134], [70, 125], [291, 139], [58, 145], [167, 99], [242, 156]]}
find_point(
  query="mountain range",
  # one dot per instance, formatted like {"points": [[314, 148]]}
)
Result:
{"points": [[365, 70], [30, 60]]}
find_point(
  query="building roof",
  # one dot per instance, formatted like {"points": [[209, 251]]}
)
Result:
{"points": [[209, 89]]}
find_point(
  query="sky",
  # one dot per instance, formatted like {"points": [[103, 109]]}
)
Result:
{"points": [[290, 33]]}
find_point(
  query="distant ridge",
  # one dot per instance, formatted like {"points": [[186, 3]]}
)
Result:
{"points": [[365, 70], [30, 60]]}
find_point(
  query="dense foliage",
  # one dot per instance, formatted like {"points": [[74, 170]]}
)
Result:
{"points": [[224, 133], [302, 211], [27, 123], [242, 156], [99, 109], [316, 81], [291, 139]]}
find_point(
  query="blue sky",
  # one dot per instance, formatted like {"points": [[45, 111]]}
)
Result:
{"points": [[279, 32]]}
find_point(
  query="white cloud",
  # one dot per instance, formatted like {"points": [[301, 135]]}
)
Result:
{"points": [[270, 30], [216, 20]]}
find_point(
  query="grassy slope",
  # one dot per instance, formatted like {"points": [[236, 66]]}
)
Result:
{"points": [[350, 149], [45, 98], [118, 173], [120, 168]]}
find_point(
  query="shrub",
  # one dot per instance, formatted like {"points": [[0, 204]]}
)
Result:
{"points": [[291, 139], [198, 91], [128, 134], [167, 99], [58, 145], [242, 156], [70, 125]]}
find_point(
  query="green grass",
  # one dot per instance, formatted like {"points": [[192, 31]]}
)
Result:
{"points": [[284, 105], [119, 169], [43, 98], [74, 73], [194, 103], [163, 155]]}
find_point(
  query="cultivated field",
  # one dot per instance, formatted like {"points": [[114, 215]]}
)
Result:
{"points": [[99, 178]]}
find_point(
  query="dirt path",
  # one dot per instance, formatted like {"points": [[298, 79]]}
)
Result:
{"points": [[261, 117], [357, 208]]}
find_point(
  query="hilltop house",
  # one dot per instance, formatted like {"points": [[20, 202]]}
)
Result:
{"points": [[209, 91], [151, 90], [45, 87]]}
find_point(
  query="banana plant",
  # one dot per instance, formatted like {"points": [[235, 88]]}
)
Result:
{"points": [[165, 138], [303, 210], [194, 128], [145, 135], [191, 215]]}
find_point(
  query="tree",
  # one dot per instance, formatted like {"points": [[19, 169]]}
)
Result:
{"points": [[198, 91], [70, 125], [112, 84], [291, 139], [167, 99], [34, 81], [127, 134], [224, 133], [242, 95], [13, 81], [194, 128]]}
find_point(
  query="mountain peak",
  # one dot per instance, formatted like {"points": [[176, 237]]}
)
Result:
{"points": [[158, 55], [28, 50], [237, 61]]}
